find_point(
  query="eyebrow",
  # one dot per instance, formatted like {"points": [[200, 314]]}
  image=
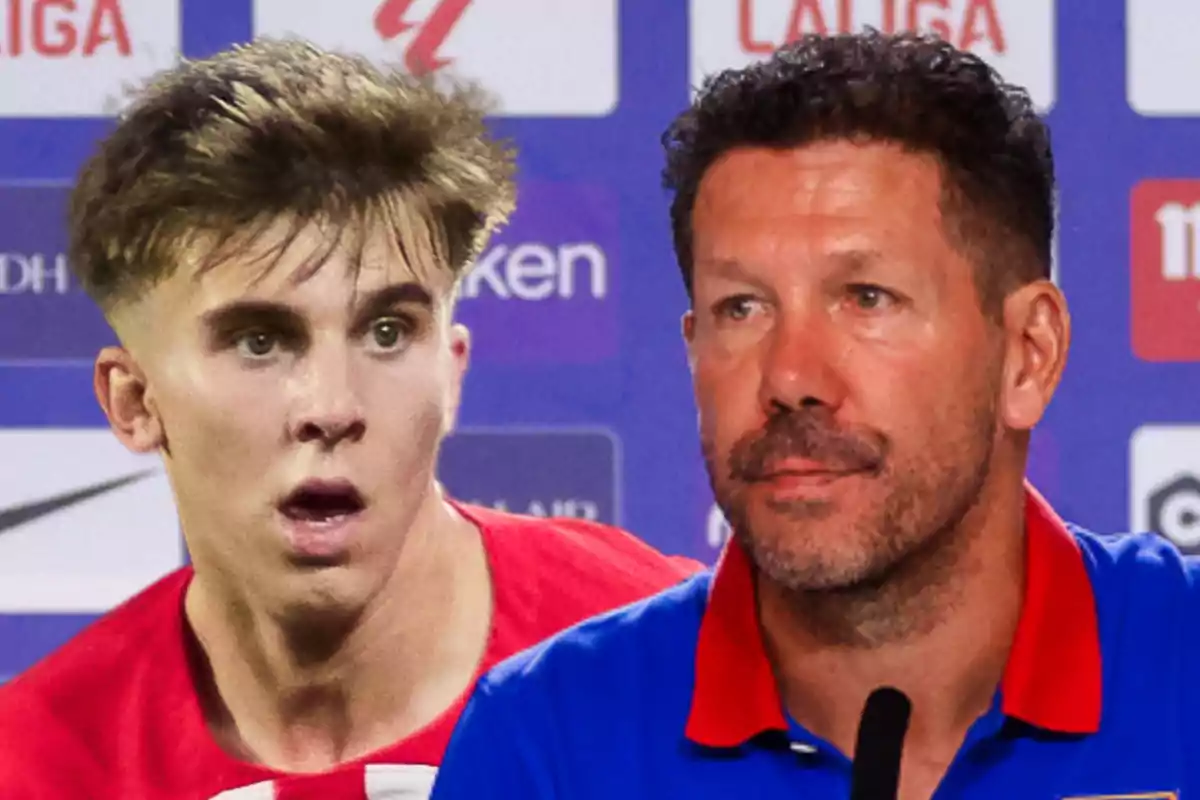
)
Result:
{"points": [[380, 300], [853, 262], [369, 305], [729, 268]]}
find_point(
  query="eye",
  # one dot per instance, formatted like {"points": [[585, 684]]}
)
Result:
{"points": [[257, 344], [736, 307], [389, 333], [868, 297]]}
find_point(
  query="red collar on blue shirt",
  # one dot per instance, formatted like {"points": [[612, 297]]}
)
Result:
{"points": [[1052, 679]]}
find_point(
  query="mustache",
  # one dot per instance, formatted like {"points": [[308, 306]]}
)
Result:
{"points": [[811, 435]]}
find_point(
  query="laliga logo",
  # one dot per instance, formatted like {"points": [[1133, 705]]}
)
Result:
{"points": [[58, 28], [421, 54], [964, 24]]}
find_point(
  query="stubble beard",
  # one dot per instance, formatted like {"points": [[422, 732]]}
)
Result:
{"points": [[891, 572]]}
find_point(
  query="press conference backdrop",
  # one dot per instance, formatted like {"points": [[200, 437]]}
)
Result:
{"points": [[578, 402]]}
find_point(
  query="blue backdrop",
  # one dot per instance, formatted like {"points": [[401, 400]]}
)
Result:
{"points": [[579, 399]]}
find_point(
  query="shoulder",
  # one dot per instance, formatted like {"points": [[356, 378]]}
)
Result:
{"points": [[520, 732], [621, 647], [1135, 559], [590, 555], [61, 710], [1145, 587]]}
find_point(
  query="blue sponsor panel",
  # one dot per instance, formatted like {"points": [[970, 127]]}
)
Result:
{"points": [[545, 289], [26, 638], [1044, 463], [44, 315], [545, 473]]}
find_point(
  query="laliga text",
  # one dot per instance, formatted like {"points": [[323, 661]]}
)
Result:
{"points": [[966, 24]]}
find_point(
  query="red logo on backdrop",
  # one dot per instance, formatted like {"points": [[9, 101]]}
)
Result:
{"points": [[972, 23], [1165, 270], [58, 28], [421, 54]]}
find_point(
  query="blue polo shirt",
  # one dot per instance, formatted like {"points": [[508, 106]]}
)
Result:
{"points": [[673, 697]]}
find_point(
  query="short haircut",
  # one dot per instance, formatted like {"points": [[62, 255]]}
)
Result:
{"points": [[211, 152], [916, 91]]}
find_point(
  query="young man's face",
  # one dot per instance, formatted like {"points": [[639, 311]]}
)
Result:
{"points": [[299, 417]]}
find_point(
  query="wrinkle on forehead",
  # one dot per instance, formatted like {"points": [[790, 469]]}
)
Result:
{"points": [[829, 175], [777, 192]]}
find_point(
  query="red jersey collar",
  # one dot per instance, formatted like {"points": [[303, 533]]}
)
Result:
{"points": [[1052, 679]]}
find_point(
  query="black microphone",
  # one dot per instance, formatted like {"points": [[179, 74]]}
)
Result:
{"points": [[875, 774]]}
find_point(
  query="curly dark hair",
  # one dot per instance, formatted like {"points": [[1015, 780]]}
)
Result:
{"points": [[914, 90], [212, 151]]}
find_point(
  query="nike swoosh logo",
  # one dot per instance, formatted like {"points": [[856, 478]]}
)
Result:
{"points": [[15, 516]]}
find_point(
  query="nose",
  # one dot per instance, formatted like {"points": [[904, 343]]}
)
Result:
{"points": [[799, 367], [328, 407]]}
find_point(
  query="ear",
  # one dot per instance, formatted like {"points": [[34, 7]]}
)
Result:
{"points": [[688, 327], [1037, 328], [121, 388], [460, 359]]}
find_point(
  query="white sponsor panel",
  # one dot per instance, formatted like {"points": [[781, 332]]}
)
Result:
{"points": [[1165, 483], [540, 57], [1162, 56], [1017, 37], [70, 58], [84, 523]]}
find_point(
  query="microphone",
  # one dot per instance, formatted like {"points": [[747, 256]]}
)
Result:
{"points": [[875, 773]]}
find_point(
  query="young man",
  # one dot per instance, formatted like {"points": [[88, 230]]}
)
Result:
{"points": [[275, 234], [864, 228]]}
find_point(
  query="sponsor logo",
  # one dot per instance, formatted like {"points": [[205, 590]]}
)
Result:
{"points": [[44, 316], [86, 51], [1014, 36], [84, 524], [422, 51], [1161, 52], [1165, 270], [1139, 796], [14, 517], [1165, 483], [507, 45], [540, 472], [545, 289], [717, 529]]}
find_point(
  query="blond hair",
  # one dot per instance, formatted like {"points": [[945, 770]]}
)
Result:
{"points": [[215, 150]]}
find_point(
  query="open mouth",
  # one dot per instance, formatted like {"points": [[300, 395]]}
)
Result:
{"points": [[322, 502]]}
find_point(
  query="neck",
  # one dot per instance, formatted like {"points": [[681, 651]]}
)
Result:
{"points": [[303, 695], [959, 601]]}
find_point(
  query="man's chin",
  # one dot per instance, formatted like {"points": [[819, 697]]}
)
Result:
{"points": [[326, 593], [810, 568], [816, 579]]}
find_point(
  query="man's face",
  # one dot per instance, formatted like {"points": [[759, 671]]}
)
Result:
{"points": [[299, 413], [845, 373]]}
